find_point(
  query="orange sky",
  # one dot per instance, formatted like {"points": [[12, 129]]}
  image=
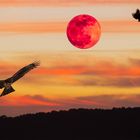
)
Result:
{"points": [[104, 76], [50, 27], [62, 2]]}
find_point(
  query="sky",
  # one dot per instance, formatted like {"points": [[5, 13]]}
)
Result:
{"points": [[104, 76]]}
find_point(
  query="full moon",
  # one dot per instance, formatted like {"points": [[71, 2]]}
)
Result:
{"points": [[83, 31]]}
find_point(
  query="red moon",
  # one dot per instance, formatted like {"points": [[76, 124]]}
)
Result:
{"points": [[83, 31]]}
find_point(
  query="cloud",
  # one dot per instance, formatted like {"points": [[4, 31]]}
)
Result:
{"points": [[109, 101], [134, 61], [100, 73], [60, 26], [111, 81], [100, 66], [124, 26], [44, 27], [113, 68], [27, 100], [60, 70], [19, 110]]}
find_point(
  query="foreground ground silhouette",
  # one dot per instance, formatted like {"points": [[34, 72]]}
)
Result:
{"points": [[75, 124]]}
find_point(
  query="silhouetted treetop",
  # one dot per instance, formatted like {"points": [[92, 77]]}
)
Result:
{"points": [[80, 124]]}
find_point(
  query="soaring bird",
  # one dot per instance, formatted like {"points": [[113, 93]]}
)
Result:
{"points": [[136, 15], [6, 84]]}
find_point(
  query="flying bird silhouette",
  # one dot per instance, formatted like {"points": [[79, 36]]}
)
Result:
{"points": [[6, 84], [136, 15]]}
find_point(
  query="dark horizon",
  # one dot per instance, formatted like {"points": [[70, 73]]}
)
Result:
{"points": [[34, 112], [81, 124], [33, 109]]}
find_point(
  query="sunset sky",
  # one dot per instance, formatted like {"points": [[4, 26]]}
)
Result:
{"points": [[104, 76]]}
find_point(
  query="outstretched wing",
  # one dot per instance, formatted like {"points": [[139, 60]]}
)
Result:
{"points": [[22, 72]]}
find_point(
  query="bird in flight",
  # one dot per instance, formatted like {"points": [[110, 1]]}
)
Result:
{"points": [[6, 84], [136, 15]]}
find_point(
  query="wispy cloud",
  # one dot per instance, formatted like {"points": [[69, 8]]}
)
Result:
{"points": [[19, 110], [101, 73], [114, 100], [134, 61], [124, 26], [100, 67], [44, 27], [26, 100], [110, 81]]}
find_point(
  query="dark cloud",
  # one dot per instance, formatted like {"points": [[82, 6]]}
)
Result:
{"points": [[18, 110], [38, 97], [27, 100], [115, 81], [109, 101], [134, 61]]}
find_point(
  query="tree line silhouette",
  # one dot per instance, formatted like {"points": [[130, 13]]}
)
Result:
{"points": [[74, 124]]}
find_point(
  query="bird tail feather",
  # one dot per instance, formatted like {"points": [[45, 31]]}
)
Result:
{"points": [[2, 83], [7, 90]]}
